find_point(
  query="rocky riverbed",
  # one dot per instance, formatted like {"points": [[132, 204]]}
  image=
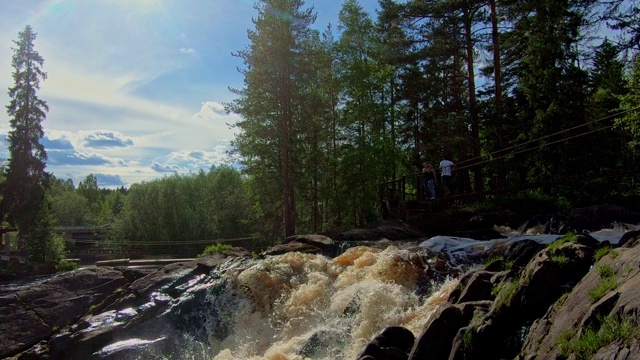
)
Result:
{"points": [[382, 292]]}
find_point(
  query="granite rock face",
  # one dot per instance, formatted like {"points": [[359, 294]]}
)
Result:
{"points": [[31, 315], [547, 309]]}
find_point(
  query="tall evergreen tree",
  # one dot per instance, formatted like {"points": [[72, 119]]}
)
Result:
{"points": [[269, 106], [24, 189], [361, 114], [551, 88]]}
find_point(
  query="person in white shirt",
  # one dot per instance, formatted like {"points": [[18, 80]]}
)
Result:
{"points": [[446, 167]]}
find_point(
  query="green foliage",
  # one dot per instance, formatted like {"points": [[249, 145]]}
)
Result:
{"points": [[504, 265], [559, 258], [23, 192], [70, 209], [601, 252], [505, 292], [562, 299], [64, 266], [532, 202], [629, 103], [217, 248], [607, 283], [467, 339], [607, 330], [111, 207], [55, 249], [605, 271], [556, 245], [192, 207]]}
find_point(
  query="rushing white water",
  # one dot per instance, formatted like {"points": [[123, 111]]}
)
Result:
{"points": [[300, 306]]}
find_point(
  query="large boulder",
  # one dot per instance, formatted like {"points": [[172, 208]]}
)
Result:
{"points": [[391, 230], [394, 343]]}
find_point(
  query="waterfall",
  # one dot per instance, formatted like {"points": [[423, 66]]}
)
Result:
{"points": [[297, 306]]}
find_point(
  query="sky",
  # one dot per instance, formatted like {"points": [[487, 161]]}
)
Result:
{"points": [[136, 88]]}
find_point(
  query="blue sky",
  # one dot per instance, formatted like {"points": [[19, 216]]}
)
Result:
{"points": [[135, 87]]}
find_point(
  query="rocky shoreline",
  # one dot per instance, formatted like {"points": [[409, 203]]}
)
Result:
{"points": [[530, 302]]}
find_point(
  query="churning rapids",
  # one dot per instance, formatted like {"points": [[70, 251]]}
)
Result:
{"points": [[299, 306]]}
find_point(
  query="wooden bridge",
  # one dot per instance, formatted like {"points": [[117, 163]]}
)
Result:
{"points": [[91, 244], [403, 198]]}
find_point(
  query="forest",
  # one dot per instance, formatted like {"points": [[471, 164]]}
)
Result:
{"points": [[514, 92]]}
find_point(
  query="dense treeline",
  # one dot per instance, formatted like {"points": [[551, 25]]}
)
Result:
{"points": [[514, 92], [203, 206]]}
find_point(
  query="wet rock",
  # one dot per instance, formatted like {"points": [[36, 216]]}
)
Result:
{"points": [[629, 239], [391, 230], [292, 247], [322, 242], [435, 341], [479, 234], [521, 252], [478, 288], [395, 342]]}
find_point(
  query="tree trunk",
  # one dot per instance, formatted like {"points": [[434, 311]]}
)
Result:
{"points": [[473, 109], [497, 75]]}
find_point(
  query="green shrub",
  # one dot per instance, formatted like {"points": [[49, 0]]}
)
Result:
{"points": [[64, 265], [217, 248], [55, 249]]}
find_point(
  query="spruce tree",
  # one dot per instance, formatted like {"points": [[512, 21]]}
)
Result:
{"points": [[23, 191]]}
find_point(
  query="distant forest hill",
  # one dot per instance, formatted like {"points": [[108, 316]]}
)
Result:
{"points": [[327, 116]]}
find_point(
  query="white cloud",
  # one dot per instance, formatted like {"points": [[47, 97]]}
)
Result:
{"points": [[188, 51]]}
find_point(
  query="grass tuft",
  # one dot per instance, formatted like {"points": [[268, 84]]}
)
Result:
{"points": [[610, 329], [607, 283], [600, 253], [217, 248]]}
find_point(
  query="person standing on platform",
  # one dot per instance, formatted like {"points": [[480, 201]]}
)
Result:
{"points": [[446, 167], [430, 180]]}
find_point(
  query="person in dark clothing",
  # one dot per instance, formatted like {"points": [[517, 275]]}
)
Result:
{"points": [[430, 180]]}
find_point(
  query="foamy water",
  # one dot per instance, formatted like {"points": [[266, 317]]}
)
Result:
{"points": [[302, 306]]}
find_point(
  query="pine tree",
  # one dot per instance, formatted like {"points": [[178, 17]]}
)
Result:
{"points": [[23, 200], [270, 107]]}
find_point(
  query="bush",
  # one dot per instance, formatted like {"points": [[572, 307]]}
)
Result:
{"points": [[217, 248], [54, 249], [64, 266]]}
